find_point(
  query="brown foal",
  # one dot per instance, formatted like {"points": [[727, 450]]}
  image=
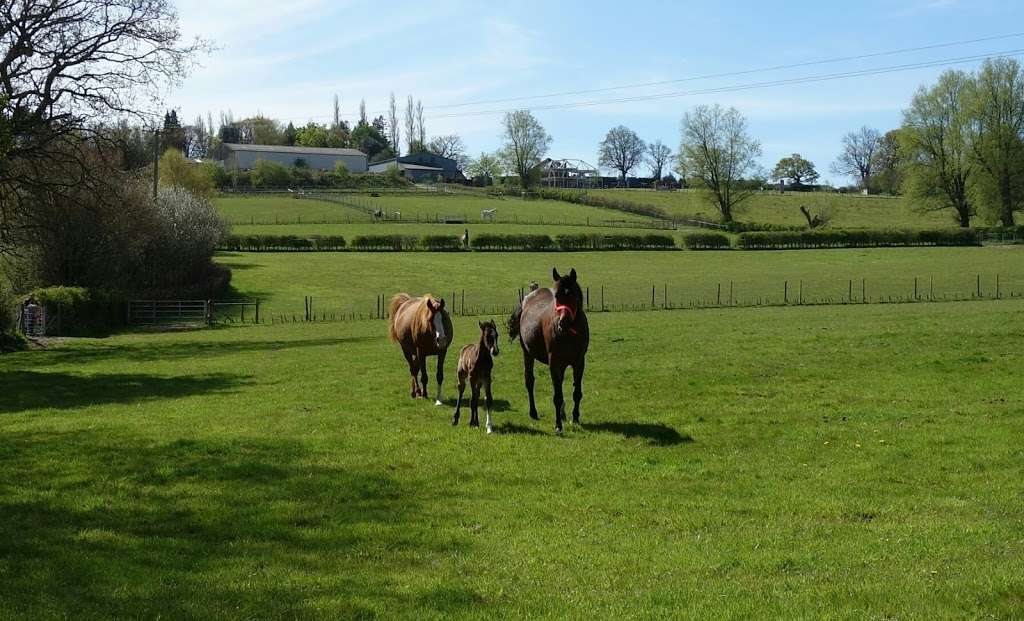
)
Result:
{"points": [[475, 364]]}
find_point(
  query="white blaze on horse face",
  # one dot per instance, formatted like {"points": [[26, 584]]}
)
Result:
{"points": [[439, 334]]}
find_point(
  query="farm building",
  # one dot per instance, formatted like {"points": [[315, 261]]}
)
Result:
{"points": [[568, 174], [423, 167], [244, 156]]}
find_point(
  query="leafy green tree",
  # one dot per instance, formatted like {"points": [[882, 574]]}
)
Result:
{"points": [[717, 149], [796, 169], [261, 130], [177, 172], [525, 143], [289, 134], [935, 138], [996, 103], [889, 164], [268, 174], [487, 168], [312, 135], [368, 139], [172, 136]]}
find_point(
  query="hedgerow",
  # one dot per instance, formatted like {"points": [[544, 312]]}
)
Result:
{"points": [[855, 239]]}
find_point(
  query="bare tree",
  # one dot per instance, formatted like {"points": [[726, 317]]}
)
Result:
{"points": [[67, 69], [449, 146], [622, 150], [525, 142], [858, 157], [394, 132], [717, 149], [421, 128], [410, 126], [658, 156]]}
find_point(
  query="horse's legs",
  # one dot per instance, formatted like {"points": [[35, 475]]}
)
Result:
{"points": [[528, 371], [423, 375], [440, 375], [557, 375], [577, 390], [474, 420], [490, 400], [410, 357], [458, 401]]}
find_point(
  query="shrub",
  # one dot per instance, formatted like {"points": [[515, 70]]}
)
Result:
{"points": [[764, 240], [441, 243], [395, 243], [706, 241], [178, 172], [188, 230], [10, 338], [330, 242], [78, 311], [269, 174]]}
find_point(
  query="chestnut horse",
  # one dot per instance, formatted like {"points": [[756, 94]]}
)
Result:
{"points": [[423, 328], [552, 329]]}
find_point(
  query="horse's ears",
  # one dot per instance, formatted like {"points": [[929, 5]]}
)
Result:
{"points": [[431, 306], [440, 304], [572, 274], [481, 324], [554, 274]]}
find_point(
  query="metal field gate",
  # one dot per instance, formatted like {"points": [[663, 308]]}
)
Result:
{"points": [[154, 312]]}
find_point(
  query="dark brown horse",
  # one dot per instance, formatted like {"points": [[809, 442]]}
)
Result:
{"points": [[552, 329], [475, 364], [423, 328]]}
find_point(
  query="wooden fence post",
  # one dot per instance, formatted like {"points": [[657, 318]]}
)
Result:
{"points": [[785, 291]]}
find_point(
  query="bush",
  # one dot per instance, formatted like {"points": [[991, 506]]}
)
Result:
{"points": [[78, 311], [10, 338], [706, 241], [442, 243], [188, 230], [856, 239], [512, 242], [330, 242], [394, 243], [269, 174], [178, 172]]}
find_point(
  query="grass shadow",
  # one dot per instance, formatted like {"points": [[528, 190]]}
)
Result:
{"points": [[497, 405], [100, 525], [656, 434], [523, 430], [28, 390]]}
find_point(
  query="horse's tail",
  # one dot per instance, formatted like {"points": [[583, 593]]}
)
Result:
{"points": [[513, 322], [396, 303]]}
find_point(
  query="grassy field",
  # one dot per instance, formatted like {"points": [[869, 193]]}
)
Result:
{"points": [[853, 462], [848, 211], [248, 210], [347, 282], [350, 231]]}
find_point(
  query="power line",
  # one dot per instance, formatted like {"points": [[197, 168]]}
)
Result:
{"points": [[819, 62], [749, 86]]}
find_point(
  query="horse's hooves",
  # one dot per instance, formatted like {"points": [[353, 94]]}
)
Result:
{"points": [[455, 422], [558, 431], [534, 416], [490, 430], [438, 402]]}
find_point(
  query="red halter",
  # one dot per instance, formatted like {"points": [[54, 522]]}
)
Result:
{"points": [[565, 308]]}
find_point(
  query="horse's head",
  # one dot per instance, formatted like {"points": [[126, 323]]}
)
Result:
{"points": [[437, 319], [489, 336], [568, 299]]}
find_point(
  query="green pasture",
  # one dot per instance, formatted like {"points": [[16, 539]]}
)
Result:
{"points": [[350, 231], [839, 462], [412, 207], [848, 211], [351, 281]]}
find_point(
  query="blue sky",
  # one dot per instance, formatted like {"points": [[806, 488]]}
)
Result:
{"points": [[287, 60]]}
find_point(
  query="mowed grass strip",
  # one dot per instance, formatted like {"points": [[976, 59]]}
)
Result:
{"points": [[413, 206], [847, 211], [351, 282], [350, 231], [830, 462]]}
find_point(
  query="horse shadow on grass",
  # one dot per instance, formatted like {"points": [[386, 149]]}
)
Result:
{"points": [[497, 405], [655, 434]]}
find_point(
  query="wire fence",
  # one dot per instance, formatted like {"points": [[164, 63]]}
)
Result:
{"points": [[666, 296]]}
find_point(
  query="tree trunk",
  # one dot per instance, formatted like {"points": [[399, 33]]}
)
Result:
{"points": [[965, 216]]}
